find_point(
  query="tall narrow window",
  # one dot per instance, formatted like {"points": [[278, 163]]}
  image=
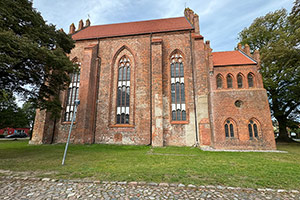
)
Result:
{"points": [[219, 81], [123, 91], [229, 129], [72, 95], [250, 80], [253, 129], [240, 81], [177, 88], [229, 81]]}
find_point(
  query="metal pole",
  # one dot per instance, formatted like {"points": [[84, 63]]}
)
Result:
{"points": [[77, 102]]}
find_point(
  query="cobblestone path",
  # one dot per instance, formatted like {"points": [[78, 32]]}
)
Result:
{"points": [[35, 188]]}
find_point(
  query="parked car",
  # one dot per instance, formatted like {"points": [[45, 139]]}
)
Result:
{"points": [[17, 135]]}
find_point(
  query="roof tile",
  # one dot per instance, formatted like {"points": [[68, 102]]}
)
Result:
{"points": [[225, 58], [133, 28]]}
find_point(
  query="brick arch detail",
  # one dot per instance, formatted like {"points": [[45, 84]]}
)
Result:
{"points": [[260, 133], [177, 51], [235, 127], [223, 81], [233, 80], [243, 79], [120, 53], [254, 79]]}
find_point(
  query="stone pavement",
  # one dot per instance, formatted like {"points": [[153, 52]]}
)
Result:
{"points": [[20, 188]]}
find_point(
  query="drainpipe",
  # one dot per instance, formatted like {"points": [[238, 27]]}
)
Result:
{"points": [[194, 90], [150, 89], [98, 65]]}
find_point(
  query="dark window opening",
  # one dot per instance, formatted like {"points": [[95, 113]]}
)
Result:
{"points": [[229, 81], [250, 80], [240, 81], [253, 129], [219, 82], [229, 129]]}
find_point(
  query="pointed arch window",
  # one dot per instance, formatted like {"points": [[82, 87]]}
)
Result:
{"points": [[250, 80], [253, 129], [219, 81], [123, 91], [229, 81], [229, 129], [72, 95], [240, 81], [177, 88]]}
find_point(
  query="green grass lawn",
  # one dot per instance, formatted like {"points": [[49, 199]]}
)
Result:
{"points": [[169, 164]]}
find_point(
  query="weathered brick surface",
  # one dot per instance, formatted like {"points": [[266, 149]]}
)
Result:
{"points": [[157, 96], [150, 120], [254, 105]]}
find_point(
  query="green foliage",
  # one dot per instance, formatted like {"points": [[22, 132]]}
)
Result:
{"points": [[277, 35], [168, 164], [33, 59], [10, 114], [28, 109]]}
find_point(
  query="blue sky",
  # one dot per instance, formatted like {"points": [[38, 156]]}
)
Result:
{"points": [[220, 20]]}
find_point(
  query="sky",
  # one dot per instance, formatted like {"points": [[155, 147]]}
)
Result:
{"points": [[220, 20]]}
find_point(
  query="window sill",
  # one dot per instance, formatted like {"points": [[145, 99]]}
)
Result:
{"points": [[67, 123], [254, 138], [179, 122], [121, 126]]}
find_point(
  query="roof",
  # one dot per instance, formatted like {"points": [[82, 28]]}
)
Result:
{"points": [[231, 58], [133, 28]]}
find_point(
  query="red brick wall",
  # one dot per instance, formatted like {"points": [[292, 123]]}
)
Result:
{"points": [[254, 105], [96, 117]]}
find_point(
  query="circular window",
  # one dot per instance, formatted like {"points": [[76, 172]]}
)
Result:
{"points": [[238, 103]]}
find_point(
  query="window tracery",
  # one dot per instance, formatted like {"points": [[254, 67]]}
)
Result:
{"points": [[72, 94], [123, 91], [177, 88]]}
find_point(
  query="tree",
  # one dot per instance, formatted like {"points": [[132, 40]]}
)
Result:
{"points": [[33, 61], [277, 35], [10, 114], [28, 109]]}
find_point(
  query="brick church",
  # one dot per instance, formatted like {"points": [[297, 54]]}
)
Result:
{"points": [[158, 83]]}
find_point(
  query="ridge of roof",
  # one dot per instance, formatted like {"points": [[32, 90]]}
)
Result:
{"points": [[147, 20], [247, 56], [133, 28], [226, 58]]}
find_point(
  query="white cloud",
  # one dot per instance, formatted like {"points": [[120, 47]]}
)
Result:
{"points": [[220, 20]]}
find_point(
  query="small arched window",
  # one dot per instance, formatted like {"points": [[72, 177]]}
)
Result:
{"points": [[229, 129], [123, 91], [240, 81], [229, 81], [219, 81], [250, 80], [253, 129], [177, 88]]}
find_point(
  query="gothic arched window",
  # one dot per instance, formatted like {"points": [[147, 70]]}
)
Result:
{"points": [[250, 80], [219, 81], [229, 129], [240, 81], [123, 91], [72, 95], [253, 129], [229, 81], [177, 88]]}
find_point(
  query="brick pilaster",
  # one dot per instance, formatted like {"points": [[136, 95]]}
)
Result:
{"points": [[157, 96]]}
